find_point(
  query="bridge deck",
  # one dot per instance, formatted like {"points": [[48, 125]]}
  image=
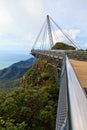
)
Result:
{"points": [[80, 68]]}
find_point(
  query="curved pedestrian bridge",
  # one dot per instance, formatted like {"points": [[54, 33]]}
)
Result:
{"points": [[72, 103]]}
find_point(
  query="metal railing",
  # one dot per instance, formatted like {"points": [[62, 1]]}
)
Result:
{"points": [[62, 111], [77, 98]]}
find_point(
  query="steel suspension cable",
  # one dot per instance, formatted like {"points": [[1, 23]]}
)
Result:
{"points": [[54, 34], [39, 34], [43, 38], [65, 34]]}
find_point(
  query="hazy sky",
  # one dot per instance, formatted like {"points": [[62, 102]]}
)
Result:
{"points": [[21, 20]]}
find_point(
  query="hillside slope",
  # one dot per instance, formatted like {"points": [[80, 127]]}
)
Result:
{"points": [[41, 78], [10, 77], [34, 105], [40, 74], [63, 46]]}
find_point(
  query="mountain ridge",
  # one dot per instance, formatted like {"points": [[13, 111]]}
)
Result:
{"points": [[14, 72]]}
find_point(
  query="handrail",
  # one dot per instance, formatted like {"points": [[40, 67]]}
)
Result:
{"points": [[78, 100]]}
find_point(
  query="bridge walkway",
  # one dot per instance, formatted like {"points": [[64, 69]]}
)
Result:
{"points": [[80, 68]]}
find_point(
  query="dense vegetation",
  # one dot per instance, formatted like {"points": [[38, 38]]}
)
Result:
{"points": [[32, 106], [63, 46]]}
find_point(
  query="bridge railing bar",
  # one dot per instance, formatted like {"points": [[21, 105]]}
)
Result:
{"points": [[78, 100], [62, 109]]}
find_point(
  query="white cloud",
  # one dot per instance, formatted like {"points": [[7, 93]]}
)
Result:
{"points": [[58, 36], [84, 45], [70, 33], [33, 9], [73, 33], [17, 21], [5, 17], [22, 19]]}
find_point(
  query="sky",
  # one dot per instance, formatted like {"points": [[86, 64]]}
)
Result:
{"points": [[21, 20]]}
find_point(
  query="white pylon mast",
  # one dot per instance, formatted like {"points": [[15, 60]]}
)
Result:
{"points": [[49, 32]]}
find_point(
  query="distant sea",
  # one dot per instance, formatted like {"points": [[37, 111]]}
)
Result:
{"points": [[5, 64], [7, 60]]}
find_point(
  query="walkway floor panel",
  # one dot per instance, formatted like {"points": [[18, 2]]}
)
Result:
{"points": [[80, 68]]}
